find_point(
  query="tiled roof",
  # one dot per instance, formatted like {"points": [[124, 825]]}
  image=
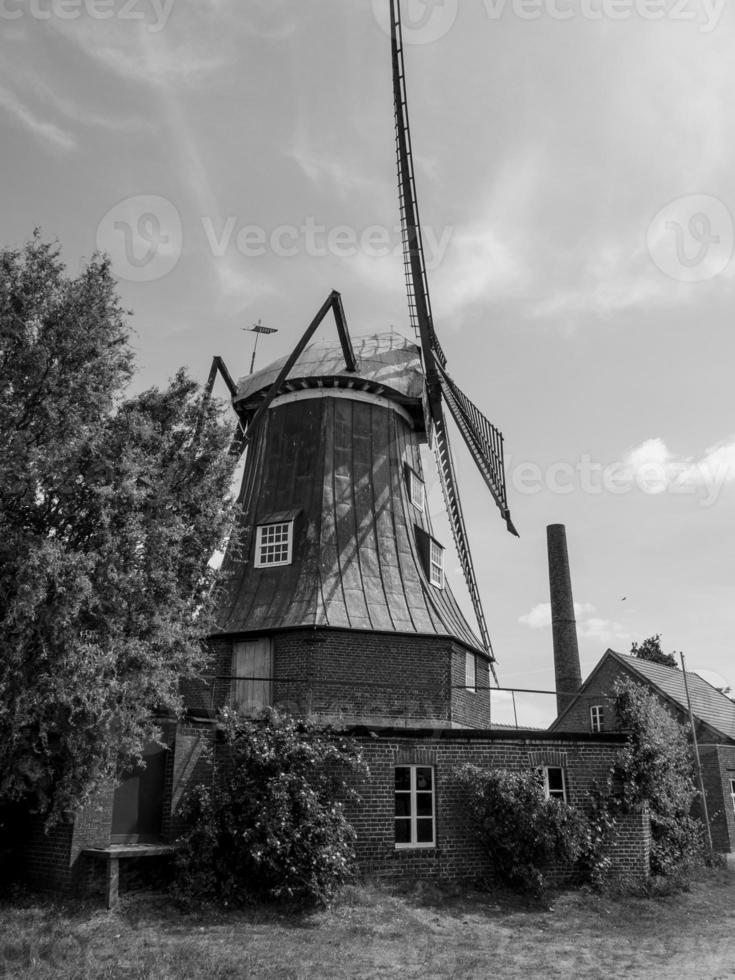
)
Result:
{"points": [[708, 704]]}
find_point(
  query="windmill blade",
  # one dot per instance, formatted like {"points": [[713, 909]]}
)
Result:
{"points": [[484, 442], [459, 531], [237, 443], [417, 286]]}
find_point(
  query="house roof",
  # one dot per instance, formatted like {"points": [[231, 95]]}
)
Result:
{"points": [[708, 704]]}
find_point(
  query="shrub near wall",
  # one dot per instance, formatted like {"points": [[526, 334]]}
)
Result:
{"points": [[272, 826], [524, 833]]}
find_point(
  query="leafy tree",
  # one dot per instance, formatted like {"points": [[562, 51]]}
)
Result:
{"points": [[109, 510], [650, 649], [273, 826], [523, 833], [655, 768]]}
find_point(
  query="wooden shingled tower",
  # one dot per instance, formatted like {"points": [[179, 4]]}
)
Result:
{"points": [[335, 601]]}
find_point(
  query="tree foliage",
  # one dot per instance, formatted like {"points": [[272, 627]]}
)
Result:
{"points": [[523, 833], [650, 649], [655, 768], [110, 507], [273, 825]]}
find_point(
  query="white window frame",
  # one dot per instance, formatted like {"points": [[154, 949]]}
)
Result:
{"points": [[470, 672], [732, 793], [436, 564], [266, 530], [415, 489], [414, 843], [554, 794], [597, 717]]}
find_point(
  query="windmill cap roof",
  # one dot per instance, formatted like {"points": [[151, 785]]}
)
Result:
{"points": [[387, 362]]}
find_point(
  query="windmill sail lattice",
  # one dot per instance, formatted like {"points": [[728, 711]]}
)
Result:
{"points": [[483, 440]]}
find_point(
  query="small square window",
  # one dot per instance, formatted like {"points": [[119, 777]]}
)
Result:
{"points": [[414, 806], [555, 785], [436, 564], [415, 489], [470, 672], [597, 717], [274, 544]]}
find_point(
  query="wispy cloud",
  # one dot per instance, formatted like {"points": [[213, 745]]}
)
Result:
{"points": [[588, 626], [340, 174], [47, 132], [540, 616], [611, 280], [655, 469]]}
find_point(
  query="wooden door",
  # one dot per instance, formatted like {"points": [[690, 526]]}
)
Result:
{"points": [[137, 809]]}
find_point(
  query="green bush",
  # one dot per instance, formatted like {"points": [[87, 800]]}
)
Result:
{"points": [[655, 768], [272, 826], [523, 833]]}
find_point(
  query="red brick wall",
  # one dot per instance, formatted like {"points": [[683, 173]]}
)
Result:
{"points": [[470, 709], [357, 677], [457, 854], [718, 768], [55, 861]]}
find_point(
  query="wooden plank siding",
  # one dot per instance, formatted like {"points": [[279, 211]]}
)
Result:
{"points": [[337, 457]]}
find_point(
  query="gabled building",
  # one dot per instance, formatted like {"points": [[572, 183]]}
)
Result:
{"points": [[592, 710]]}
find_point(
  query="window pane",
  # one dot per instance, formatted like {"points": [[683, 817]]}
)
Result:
{"points": [[403, 778], [403, 804], [556, 780], [403, 831], [423, 804], [424, 831], [423, 778]]}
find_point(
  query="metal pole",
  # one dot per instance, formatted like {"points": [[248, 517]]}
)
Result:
{"points": [[255, 347], [699, 762]]}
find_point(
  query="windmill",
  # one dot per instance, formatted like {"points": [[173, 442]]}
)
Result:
{"points": [[335, 598]]}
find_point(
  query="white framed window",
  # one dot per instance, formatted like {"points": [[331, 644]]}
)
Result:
{"points": [[555, 784], [470, 672], [597, 717], [252, 675], [274, 544], [415, 489], [414, 806], [732, 793], [436, 564]]}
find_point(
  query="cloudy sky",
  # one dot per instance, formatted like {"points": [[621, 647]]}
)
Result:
{"points": [[575, 173]]}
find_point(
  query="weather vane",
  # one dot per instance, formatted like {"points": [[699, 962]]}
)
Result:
{"points": [[257, 329]]}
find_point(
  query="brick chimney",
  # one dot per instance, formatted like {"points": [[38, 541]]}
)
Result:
{"points": [[567, 670]]}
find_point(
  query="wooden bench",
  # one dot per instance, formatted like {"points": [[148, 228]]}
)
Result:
{"points": [[114, 853]]}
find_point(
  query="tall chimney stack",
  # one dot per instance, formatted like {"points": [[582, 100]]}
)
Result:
{"points": [[567, 670]]}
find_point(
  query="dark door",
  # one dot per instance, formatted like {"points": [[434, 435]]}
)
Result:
{"points": [[137, 809]]}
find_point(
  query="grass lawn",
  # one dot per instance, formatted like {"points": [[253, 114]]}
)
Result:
{"points": [[382, 931]]}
